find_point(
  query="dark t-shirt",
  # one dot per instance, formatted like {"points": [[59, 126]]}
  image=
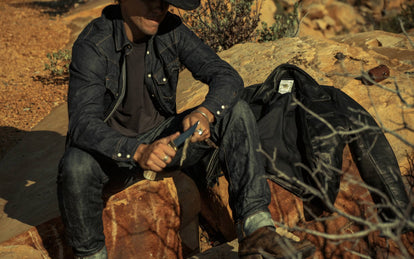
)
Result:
{"points": [[136, 114]]}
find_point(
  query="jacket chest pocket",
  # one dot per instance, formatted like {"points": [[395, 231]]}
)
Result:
{"points": [[165, 80], [167, 73]]}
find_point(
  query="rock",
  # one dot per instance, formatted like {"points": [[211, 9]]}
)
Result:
{"points": [[144, 221], [395, 4], [150, 219], [19, 252], [349, 15], [268, 10], [316, 11], [46, 239], [345, 16]]}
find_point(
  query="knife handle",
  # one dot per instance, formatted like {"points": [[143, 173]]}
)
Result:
{"points": [[151, 175], [171, 144]]}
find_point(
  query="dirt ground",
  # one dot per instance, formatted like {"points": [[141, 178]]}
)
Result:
{"points": [[27, 94]]}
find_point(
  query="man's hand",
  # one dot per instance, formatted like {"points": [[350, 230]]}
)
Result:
{"points": [[203, 127], [157, 155]]}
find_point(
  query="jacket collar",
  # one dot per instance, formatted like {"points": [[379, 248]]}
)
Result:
{"points": [[113, 13]]}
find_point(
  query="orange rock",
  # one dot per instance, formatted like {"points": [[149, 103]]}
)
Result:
{"points": [[142, 221]]}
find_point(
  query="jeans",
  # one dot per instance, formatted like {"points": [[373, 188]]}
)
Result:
{"points": [[84, 176]]}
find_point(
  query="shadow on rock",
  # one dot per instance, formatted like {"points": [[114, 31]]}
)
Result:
{"points": [[28, 181]]}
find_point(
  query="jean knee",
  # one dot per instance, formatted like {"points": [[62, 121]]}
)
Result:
{"points": [[242, 109], [78, 168]]}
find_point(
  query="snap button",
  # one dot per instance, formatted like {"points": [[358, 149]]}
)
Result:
{"points": [[128, 156], [147, 52], [149, 75], [119, 154], [218, 112], [164, 79], [223, 107]]}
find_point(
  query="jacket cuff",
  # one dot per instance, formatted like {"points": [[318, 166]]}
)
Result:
{"points": [[125, 149], [216, 108]]}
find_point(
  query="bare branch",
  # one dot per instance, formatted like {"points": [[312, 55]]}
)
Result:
{"points": [[405, 33]]}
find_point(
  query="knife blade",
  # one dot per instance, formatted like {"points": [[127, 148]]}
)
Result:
{"points": [[183, 136]]}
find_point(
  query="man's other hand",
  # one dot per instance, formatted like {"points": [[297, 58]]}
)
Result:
{"points": [[157, 155], [205, 117]]}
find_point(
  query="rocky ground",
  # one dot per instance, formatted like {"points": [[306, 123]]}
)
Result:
{"points": [[28, 33]]}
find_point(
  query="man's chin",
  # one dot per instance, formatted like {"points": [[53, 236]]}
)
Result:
{"points": [[151, 30]]}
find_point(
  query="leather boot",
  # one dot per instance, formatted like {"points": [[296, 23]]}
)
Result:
{"points": [[266, 243]]}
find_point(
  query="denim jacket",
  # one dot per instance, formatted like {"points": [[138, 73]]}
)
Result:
{"points": [[98, 78]]}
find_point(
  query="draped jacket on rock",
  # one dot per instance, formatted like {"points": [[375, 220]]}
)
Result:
{"points": [[309, 125]]}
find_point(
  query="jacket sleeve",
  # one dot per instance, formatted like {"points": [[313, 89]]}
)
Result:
{"points": [[87, 87], [373, 154], [225, 84]]}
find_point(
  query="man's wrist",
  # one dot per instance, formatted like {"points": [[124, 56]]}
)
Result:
{"points": [[139, 152], [202, 113], [206, 113]]}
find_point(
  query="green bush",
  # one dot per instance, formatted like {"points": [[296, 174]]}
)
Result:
{"points": [[286, 25], [222, 24], [59, 62]]}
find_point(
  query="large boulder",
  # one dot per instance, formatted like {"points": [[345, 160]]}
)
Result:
{"points": [[150, 219]]}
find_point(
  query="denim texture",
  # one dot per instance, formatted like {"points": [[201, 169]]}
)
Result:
{"points": [[97, 79], [83, 176]]}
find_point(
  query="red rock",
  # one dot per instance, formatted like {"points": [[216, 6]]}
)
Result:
{"points": [[142, 221]]}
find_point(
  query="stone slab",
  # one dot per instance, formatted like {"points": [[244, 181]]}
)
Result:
{"points": [[28, 176]]}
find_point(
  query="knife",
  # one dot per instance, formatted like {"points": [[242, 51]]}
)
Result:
{"points": [[149, 174], [183, 136]]}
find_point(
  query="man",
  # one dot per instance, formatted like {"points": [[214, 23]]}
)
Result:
{"points": [[122, 117]]}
